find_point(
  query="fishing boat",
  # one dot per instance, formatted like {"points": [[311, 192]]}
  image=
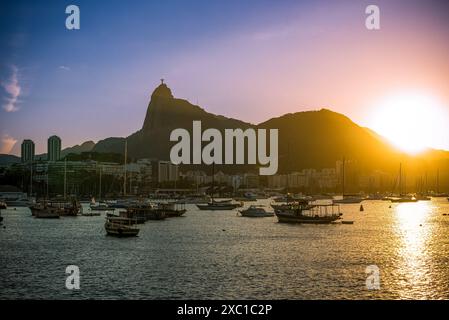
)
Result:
{"points": [[120, 227], [43, 211], [142, 213], [216, 206], [171, 209], [256, 211], [309, 213]]}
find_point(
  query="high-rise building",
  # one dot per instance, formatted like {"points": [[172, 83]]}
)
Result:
{"points": [[27, 152], [54, 148]]}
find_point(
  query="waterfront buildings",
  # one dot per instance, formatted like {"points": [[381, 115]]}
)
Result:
{"points": [[54, 148], [27, 151]]}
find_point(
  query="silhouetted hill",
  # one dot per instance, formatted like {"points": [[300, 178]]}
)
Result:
{"points": [[77, 149], [311, 139], [164, 114], [8, 159], [84, 147], [317, 139]]}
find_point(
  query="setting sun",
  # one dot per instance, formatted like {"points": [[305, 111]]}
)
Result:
{"points": [[411, 121]]}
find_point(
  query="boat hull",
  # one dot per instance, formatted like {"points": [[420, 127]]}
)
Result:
{"points": [[299, 218], [211, 207], [256, 215], [121, 231]]}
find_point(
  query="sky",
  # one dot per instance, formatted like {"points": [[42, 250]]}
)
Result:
{"points": [[251, 60]]}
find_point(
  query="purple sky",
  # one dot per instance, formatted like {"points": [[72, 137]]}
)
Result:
{"points": [[251, 60]]}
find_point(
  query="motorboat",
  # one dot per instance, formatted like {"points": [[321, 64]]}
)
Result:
{"points": [[121, 227], [313, 214], [256, 211]]}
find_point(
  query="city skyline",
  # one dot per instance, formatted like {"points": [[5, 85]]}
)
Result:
{"points": [[273, 58]]}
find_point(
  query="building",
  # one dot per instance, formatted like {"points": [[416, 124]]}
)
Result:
{"points": [[164, 171], [27, 152], [54, 148]]}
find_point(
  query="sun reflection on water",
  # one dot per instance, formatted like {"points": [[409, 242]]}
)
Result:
{"points": [[413, 258]]}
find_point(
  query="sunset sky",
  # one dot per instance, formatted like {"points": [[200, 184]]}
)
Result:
{"points": [[251, 60]]}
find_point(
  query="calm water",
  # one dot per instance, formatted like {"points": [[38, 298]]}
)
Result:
{"points": [[219, 255]]}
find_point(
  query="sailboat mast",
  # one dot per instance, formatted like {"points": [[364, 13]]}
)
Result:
{"points": [[124, 174], [438, 180], [31, 179], [400, 178], [99, 195], [343, 177], [65, 178], [213, 181]]}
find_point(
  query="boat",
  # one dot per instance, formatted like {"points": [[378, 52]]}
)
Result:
{"points": [[43, 211], [216, 206], [171, 209], [402, 196], [100, 207], [348, 200], [20, 202], [120, 227], [422, 197], [195, 199], [143, 213], [256, 211], [402, 199], [91, 213], [248, 196], [309, 213], [61, 207], [3, 205]]}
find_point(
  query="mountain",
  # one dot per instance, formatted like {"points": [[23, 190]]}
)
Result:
{"points": [[317, 139], [77, 149], [164, 114], [84, 147], [311, 139], [6, 159]]}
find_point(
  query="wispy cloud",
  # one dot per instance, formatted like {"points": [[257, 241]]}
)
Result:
{"points": [[65, 68], [12, 88], [7, 143]]}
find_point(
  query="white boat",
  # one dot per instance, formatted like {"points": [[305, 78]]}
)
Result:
{"points": [[99, 206], [256, 211], [120, 227]]}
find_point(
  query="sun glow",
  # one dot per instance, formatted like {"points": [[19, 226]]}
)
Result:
{"points": [[411, 121]]}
